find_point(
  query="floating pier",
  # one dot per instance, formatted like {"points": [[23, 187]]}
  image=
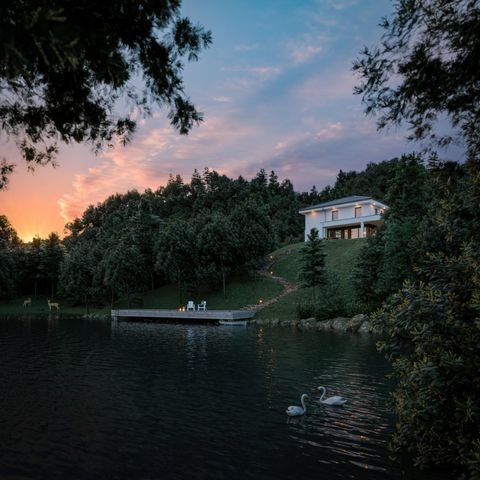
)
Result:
{"points": [[221, 316]]}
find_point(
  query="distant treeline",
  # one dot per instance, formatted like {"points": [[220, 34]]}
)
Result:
{"points": [[194, 234]]}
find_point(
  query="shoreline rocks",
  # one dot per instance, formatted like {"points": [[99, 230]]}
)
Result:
{"points": [[357, 324]]}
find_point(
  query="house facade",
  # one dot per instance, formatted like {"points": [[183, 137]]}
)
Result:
{"points": [[344, 218]]}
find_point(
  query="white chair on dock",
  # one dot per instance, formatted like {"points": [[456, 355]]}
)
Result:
{"points": [[190, 305], [202, 305]]}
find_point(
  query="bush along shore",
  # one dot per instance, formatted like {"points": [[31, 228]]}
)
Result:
{"points": [[357, 324]]}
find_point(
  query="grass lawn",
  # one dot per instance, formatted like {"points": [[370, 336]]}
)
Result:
{"points": [[240, 291], [341, 256], [286, 262], [39, 306], [284, 309], [340, 259]]}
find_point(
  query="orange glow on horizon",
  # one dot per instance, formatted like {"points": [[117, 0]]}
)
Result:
{"points": [[27, 235], [30, 221]]}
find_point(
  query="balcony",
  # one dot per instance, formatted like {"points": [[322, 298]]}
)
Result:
{"points": [[343, 222]]}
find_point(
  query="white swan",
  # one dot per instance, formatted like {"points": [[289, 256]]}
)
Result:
{"points": [[335, 400], [295, 410]]}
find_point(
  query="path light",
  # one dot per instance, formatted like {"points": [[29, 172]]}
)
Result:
{"points": [[260, 301]]}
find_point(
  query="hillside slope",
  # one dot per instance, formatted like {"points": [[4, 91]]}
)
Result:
{"points": [[285, 262]]}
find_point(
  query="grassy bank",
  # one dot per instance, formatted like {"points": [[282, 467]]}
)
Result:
{"points": [[240, 291], [39, 306], [340, 259]]}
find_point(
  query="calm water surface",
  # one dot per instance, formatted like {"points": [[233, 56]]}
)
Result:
{"points": [[84, 399]]}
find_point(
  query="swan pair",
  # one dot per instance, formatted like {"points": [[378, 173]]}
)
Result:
{"points": [[296, 411]]}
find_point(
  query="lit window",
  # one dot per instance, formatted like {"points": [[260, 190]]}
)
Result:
{"points": [[358, 211]]}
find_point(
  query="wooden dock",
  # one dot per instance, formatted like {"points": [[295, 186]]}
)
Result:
{"points": [[183, 316]]}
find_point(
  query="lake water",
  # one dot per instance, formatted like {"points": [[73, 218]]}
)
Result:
{"points": [[86, 399]]}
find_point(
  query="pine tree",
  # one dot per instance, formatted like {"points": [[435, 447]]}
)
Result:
{"points": [[312, 270]]}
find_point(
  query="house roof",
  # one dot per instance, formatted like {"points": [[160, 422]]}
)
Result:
{"points": [[340, 201]]}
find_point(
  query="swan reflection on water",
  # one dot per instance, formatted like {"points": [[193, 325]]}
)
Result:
{"points": [[299, 421]]}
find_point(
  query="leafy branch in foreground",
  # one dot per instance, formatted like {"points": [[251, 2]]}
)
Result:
{"points": [[432, 328], [65, 66], [425, 68]]}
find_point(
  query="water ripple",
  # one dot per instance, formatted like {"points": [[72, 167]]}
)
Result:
{"points": [[83, 399]]}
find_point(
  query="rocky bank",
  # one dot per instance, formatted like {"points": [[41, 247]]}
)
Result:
{"points": [[359, 323]]}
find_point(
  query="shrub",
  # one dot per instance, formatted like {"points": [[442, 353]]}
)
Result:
{"points": [[305, 310]]}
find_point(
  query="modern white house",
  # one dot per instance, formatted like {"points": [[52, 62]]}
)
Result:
{"points": [[348, 217]]}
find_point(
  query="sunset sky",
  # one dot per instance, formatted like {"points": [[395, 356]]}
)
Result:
{"points": [[276, 91]]}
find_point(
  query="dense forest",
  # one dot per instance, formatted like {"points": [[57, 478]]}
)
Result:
{"points": [[420, 275], [194, 234]]}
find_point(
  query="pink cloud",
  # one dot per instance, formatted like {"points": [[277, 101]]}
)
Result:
{"points": [[303, 53], [331, 131], [327, 88], [309, 46], [119, 170], [247, 79], [218, 136], [220, 142]]}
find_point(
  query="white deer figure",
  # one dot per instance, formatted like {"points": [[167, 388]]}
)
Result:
{"points": [[54, 305], [27, 302]]}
